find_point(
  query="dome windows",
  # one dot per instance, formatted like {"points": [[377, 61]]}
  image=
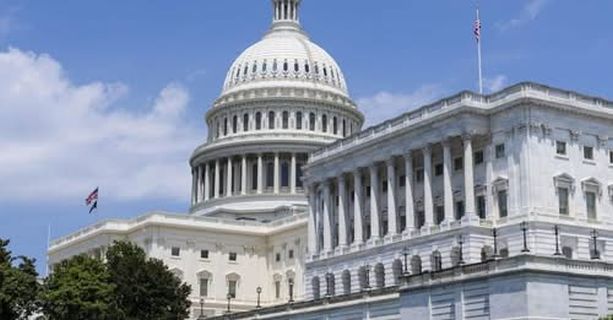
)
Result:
{"points": [[334, 125], [285, 66], [307, 68], [234, 124], [271, 120], [254, 69], [285, 120], [245, 122], [296, 66], [324, 123], [275, 66], [246, 69], [312, 121], [264, 66], [299, 120], [258, 121]]}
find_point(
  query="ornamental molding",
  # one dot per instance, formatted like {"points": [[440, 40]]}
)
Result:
{"points": [[602, 140], [591, 184], [574, 134], [564, 180], [500, 184]]}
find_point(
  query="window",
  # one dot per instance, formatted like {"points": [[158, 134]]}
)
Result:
{"points": [[611, 157], [561, 148], [344, 128], [440, 214], [285, 120], [590, 199], [324, 123], [204, 287], [402, 181], [438, 169], [254, 176], [234, 124], [307, 67], [481, 206], [312, 121], [296, 66], [299, 175], [500, 151], [285, 174], [277, 289], [502, 203], [232, 256], [290, 254], [277, 257], [175, 251], [264, 66], [204, 254], [478, 157], [419, 175], [232, 288], [588, 153], [275, 65], [299, 120], [271, 120], [459, 210], [563, 200], [458, 164], [421, 219], [285, 66], [245, 122], [225, 126], [334, 125], [258, 121], [270, 175]]}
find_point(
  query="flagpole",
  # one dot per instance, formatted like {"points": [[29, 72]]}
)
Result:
{"points": [[479, 53], [47, 251]]}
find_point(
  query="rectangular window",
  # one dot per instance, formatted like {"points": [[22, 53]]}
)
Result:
{"points": [[204, 287], [590, 199], [478, 157], [481, 206], [561, 148], [459, 210], [232, 256], [500, 151], [611, 157], [402, 181], [588, 153], [421, 219], [204, 254], [232, 288], [440, 214], [175, 251], [290, 254], [563, 200], [458, 164], [438, 169], [419, 175], [278, 289], [277, 257], [502, 203], [384, 186]]}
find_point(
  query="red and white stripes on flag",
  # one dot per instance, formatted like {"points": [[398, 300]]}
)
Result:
{"points": [[92, 200], [477, 29]]}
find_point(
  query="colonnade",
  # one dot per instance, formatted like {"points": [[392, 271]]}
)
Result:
{"points": [[276, 173], [347, 209]]}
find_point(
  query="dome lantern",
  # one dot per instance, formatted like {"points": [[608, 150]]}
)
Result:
{"points": [[286, 11]]}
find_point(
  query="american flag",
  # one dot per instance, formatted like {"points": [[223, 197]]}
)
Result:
{"points": [[92, 200], [477, 29]]}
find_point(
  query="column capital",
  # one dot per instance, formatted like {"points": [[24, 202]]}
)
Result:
{"points": [[391, 160], [468, 136], [446, 142], [408, 154], [427, 148], [341, 177]]}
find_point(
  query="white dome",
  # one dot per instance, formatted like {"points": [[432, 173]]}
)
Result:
{"points": [[285, 57]]}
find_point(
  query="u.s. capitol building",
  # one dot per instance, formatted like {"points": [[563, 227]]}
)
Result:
{"points": [[474, 207]]}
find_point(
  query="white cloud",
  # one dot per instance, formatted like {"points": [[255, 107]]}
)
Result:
{"points": [[58, 139], [385, 105], [495, 83], [530, 11]]}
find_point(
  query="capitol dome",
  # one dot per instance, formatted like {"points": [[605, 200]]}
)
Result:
{"points": [[285, 57]]}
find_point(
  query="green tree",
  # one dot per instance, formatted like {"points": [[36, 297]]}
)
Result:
{"points": [[79, 288], [19, 287], [145, 288]]}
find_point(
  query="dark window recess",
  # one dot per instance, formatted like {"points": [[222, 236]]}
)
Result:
{"points": [[232, 256], [458, 164], [478, 157], [419, 175], [204, 254], [175, 251], [402, 181], [278, 257], [561, 148], [500, 152], [588, 153], [290, 254], [438, 169]]}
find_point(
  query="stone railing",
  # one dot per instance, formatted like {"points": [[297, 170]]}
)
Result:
{"points": [[465, 98]]}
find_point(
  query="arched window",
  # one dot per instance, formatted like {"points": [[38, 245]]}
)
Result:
{"points": [[299, 175], [270, 175], [285, 66], [254, 69], [264, 66], [258, 121], [307, 68], [246, 69], [486, 253], [299, 120], [285, 174], [346, 278], [271, 120], [363, 277], [437, 261], [225, 126], [325, 71], [324, 123], [334, 125], [254, 176], [204, 281], [275, 66], [315, 288], [234, 124], [344, 128], [380, 275], [455, 256], [233, 280], [416, 265], [245, 122], [285, 116], [397, 271], [238, 73], [330, 284], [312, 121], [316, 68], [218, 130], [296, 66]]}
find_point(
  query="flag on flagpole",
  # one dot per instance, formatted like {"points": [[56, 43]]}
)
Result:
{"points": [[477, 34], [92, 200], [477, 28]]}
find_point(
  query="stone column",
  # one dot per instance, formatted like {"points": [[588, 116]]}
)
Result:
{"points": [[207, 181], [392, 215], [217, 182], [326, 218], [260, 175], [358, 226], [312, 233], [428, 204], [194, 183], [276, 181], [409, 204], [375, 229], [292, 174], [469, 180], [199, 191], [447, 188], [229, 181], [342, 212], [244, 175]]}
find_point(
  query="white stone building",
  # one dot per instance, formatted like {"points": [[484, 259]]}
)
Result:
{"points": [[474, 207]]}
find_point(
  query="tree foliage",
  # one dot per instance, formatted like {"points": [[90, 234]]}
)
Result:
{"points": [[19, 287]]}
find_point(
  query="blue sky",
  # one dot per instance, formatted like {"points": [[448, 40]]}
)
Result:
{"points": [[112, 93]]}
